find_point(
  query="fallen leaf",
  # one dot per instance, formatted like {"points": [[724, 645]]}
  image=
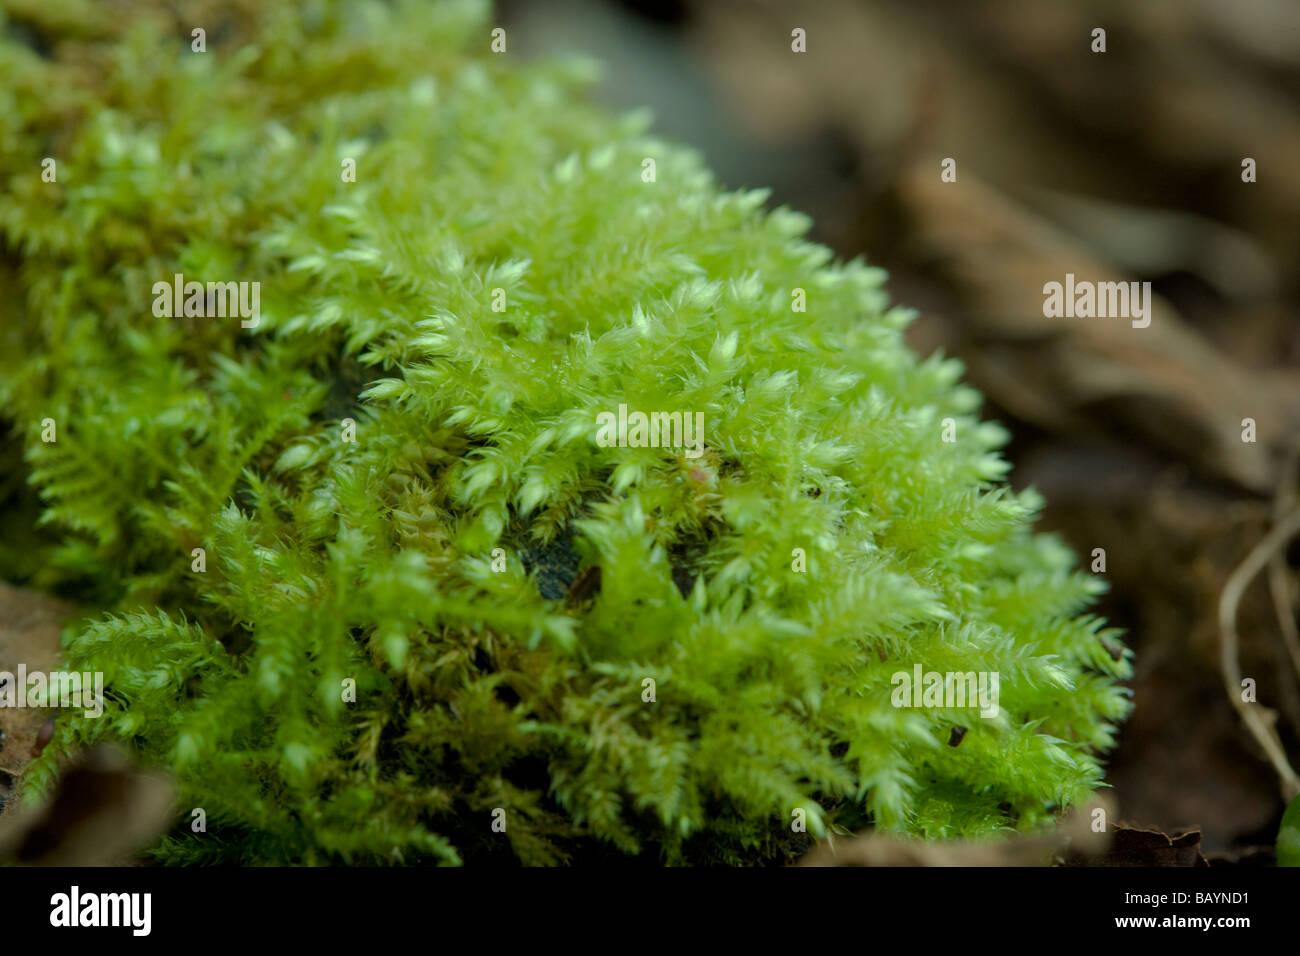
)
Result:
{"points": [[29, 634], [1147, 846], [102, 811], [1163, 383], [1073, 841]]}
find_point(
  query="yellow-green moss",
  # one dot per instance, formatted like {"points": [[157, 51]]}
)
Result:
{"points": [[372, 560]]}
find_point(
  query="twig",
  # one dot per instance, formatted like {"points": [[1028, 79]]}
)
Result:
{"points": [[1231, 665], [1279, 584]]}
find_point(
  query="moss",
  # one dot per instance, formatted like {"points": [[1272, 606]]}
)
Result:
{"points": [[373, 561]]}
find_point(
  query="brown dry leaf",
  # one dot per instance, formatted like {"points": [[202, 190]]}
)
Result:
{"points": [[1147, 846], [1158, 125], [1163, 383], [102, 812], [997, 86], [29, 634], [1073, 840], [1163, 241]]}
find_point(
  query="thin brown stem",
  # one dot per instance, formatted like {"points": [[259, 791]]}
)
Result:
{"points": [[1279, 581], [1263, 732]]}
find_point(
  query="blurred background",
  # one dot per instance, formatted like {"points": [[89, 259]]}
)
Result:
{"points": [[1124, 165]]}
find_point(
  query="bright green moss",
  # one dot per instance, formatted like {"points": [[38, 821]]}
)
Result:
{"points": [[372, 560]]}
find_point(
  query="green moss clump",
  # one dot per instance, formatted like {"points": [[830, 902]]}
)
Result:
{"points": [[372, 561]]}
